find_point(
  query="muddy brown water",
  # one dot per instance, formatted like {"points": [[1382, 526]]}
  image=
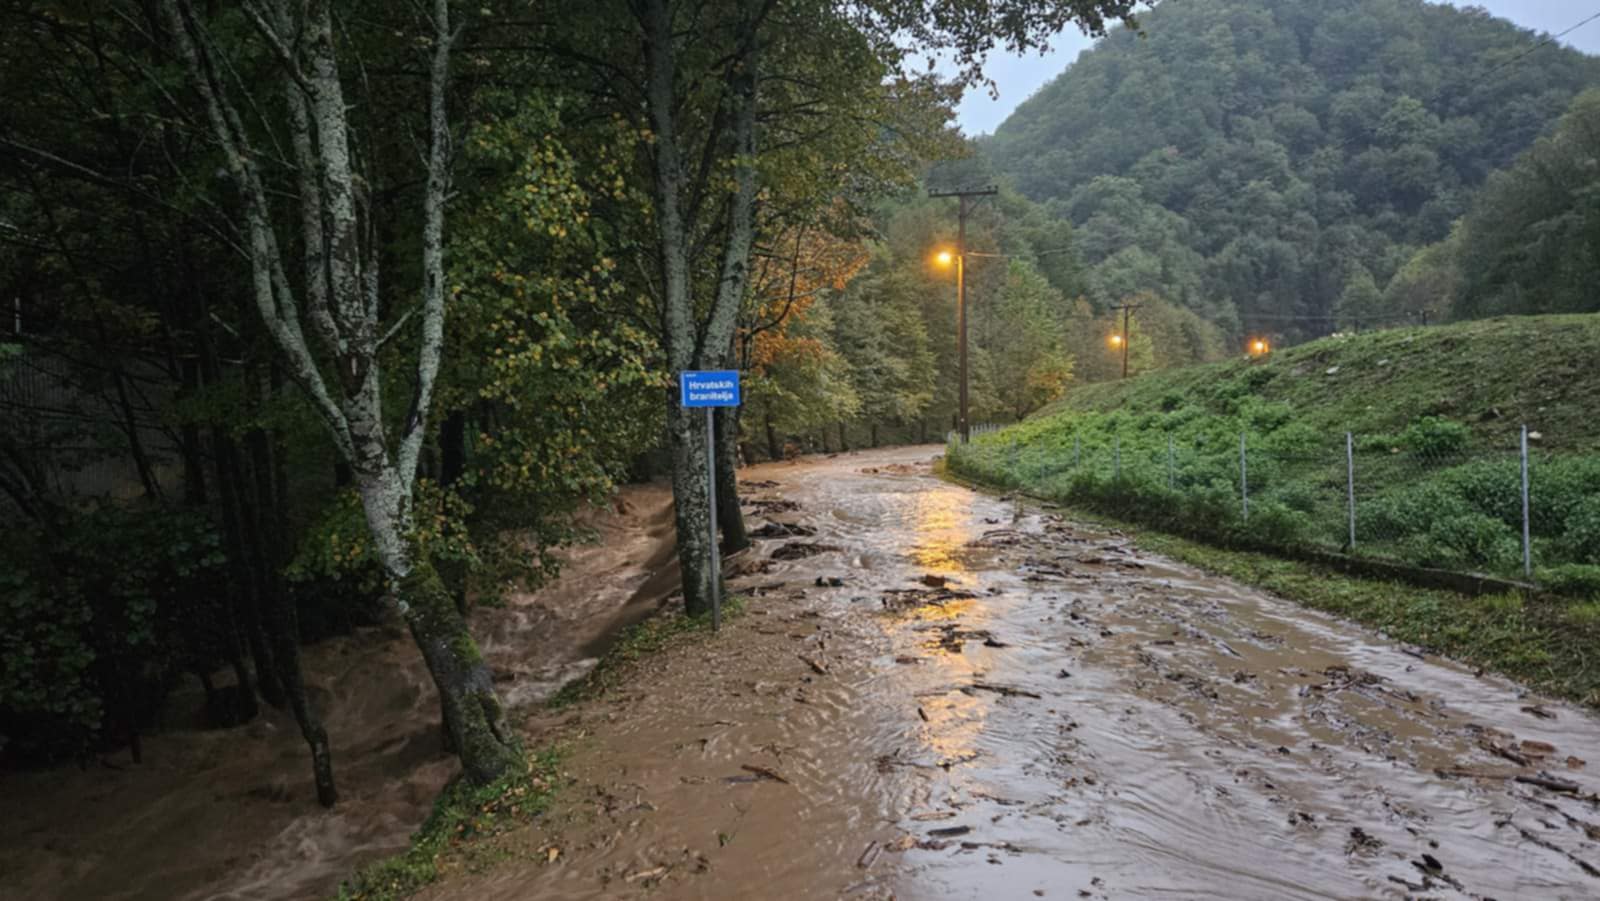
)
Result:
{"points": [[1064, 717], [232, 814], [1068, 717]]}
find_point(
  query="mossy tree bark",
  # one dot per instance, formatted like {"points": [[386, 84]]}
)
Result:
{"points": [[474, 719]]}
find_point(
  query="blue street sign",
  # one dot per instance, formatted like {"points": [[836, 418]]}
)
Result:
{"points": [[718, 388]]}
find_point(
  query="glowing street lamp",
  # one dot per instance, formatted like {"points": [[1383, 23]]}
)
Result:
{"points": [[1116, 341], [964, 199], [1259, 347]]}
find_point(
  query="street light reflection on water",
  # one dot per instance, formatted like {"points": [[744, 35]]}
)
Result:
{"points": [[946, 530], [944, 533]]}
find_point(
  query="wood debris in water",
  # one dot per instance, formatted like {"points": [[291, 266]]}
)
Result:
{"points": [[762, 772], [1002, 690]]}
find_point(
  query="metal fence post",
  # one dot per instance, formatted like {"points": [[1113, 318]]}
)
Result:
{"points": [[1350, 482], [1527, 543], [1244, 479], [1172, 473]]}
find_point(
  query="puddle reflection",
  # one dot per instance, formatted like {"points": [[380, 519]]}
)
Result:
{"points": [[941, 520]]}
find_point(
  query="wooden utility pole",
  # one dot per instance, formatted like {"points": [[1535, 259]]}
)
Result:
{"points": [[1127, 311], [964, 198]]}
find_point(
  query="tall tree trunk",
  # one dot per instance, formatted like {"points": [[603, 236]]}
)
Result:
{"points": [[341, 304], [730, 516], [844, 439], [478, 728], [685, 428], [691, 512], [190, 443], [243, 600], [244, 597], [278, 613], [452, 448], [774, 449], [130, 422], [875, 434]]}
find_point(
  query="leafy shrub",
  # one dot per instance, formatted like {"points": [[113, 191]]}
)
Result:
{"points": [[1276, 525], [1565, 495], [1407, 512], [1301, 496], [1581, 530], [1572, 578], [1258, 416], [1474, 539], [1432, 438], [1492, 487], [96, 622]]}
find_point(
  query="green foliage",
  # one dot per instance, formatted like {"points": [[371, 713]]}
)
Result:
{"points": [[50, 697], [1581, 530], [1431, 437], [1528, 244], [338, 548], [1247, 159], [1491, 375], [97, 618], [1469, 541], [1434, 490], [547, 335], [1577, 579], [1360, 302], [462, 817]]}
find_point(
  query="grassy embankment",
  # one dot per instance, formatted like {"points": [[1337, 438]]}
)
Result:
{"points": [[1435, 413], [448, 839]]}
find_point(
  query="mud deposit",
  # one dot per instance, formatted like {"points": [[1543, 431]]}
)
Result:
{"points": [[939, 694], [969, 699], [213, 814]]}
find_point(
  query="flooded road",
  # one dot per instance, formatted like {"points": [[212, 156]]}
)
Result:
{"points": [[941, 694], [932, 693]]}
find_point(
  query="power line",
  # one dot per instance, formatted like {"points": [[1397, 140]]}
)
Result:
{"points": [[1471, 83], [1323, 317], [1548, 40], [1438, 95]]}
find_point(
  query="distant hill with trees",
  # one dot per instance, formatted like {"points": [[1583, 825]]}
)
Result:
{"points": [[1275, 164]]}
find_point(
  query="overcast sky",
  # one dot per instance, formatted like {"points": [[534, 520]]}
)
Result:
{"points": [[1018, 77]]}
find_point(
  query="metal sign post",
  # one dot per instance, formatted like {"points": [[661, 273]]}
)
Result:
{"points": [[717, 388]]}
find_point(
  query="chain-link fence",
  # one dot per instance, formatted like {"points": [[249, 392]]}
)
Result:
{"points": [[1435, 496]]}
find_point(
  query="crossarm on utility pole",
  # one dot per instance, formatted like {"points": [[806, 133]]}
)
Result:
{"points": [[963, 197]]}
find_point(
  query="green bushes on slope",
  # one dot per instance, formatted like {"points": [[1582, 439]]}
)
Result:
{"points": [[1430, 490]]}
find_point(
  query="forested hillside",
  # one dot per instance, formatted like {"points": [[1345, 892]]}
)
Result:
{"points": [[1275, 163]]}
